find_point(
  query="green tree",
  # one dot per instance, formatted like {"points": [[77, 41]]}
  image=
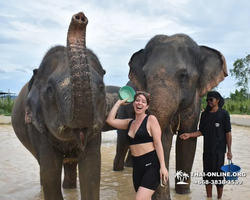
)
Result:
{"points": [[6, 105], [239, 95], [241, 71]]}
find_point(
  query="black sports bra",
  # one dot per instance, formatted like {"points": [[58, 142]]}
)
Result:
{"points": [[141, 135]]}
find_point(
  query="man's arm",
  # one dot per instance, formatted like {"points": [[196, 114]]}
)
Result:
{"points": [[229, 144], [185, 136]]}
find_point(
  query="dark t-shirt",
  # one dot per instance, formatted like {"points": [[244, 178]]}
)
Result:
{"points": [[214, 127]]}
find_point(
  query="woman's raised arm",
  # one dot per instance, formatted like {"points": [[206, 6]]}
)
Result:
{"points": [[117, 123]]}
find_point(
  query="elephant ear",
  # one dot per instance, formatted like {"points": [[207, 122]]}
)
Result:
{"points": [[213, 69], [32, 79], [33, 110], [136, 74]]}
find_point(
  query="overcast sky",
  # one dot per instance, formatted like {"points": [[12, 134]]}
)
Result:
{"points": [[115, 31]]}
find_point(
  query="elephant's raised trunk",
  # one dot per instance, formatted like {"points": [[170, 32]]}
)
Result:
{"points": [[82, 110]]}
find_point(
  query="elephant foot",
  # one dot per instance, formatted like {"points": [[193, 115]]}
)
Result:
{"points": [[128, 161], [182, 189], [117, 168], [162, 193], [69, 181], [118, 164], [69, 184], [128, 164]]}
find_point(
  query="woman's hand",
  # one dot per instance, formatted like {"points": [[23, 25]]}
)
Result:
{"points": [[123, 102], [164, 175]]}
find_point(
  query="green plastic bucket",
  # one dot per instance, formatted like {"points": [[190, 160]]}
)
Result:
{"points": [[127, 92]]}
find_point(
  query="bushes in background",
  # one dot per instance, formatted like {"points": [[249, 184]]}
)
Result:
{"points": [[6, 105], [241, 107], [233, 107]]}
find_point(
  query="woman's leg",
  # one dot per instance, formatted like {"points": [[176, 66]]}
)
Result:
{"points": [[144, 194], [137, 178], [146, 175]]}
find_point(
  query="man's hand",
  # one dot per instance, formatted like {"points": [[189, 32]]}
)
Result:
{"points": [[185, 136], [229, 155]]}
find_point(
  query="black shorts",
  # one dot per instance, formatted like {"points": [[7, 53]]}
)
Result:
{"points": [[146, 171], [212, 162]]}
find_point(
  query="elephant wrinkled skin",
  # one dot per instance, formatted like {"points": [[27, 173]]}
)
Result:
{"points": [[111, 98], [59, 114], [177, 73]]}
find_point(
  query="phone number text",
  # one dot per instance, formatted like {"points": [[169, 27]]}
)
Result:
{"points": [[216, 182]]}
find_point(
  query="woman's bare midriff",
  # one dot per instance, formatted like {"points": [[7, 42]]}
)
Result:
{"points": [[140, 149]]}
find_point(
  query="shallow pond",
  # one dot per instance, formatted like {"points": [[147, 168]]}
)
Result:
{"points": [[19, 171]]}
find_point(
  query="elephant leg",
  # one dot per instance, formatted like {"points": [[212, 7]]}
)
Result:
{"points": [[129, 160], [89, 164], [122, 147], [185, 149], [69, 181], [50, 160], [164, 192], [185, 152]]}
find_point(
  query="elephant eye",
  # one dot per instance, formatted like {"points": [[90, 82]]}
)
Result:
{"points": [[48, 94], [101, 87], [101, 90], [49, 89], [183, 75]]}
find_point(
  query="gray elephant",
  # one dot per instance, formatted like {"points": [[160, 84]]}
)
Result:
{"points": [[111, 98], [177, 73], [59, 114]]}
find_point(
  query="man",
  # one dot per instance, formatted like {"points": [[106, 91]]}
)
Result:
{"points": [[215, 126]]}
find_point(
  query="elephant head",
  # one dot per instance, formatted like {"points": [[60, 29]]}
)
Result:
{"points": [[67, 93], [175, 71]]}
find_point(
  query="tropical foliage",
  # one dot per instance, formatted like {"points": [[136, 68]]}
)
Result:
{"points": [[6, 105], [241, 71], [238, 103]]}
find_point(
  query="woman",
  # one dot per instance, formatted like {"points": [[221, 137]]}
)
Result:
{"points": [[144, 135]]}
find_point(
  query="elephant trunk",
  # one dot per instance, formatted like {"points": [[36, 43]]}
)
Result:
{"points": [[161, 107], [82, 108]]}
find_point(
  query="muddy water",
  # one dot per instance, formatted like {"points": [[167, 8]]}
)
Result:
{"points": [[19, 171]]}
